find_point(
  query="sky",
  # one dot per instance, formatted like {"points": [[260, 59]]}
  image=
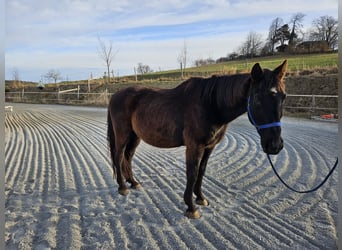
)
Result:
{"points": [[64, 35]]}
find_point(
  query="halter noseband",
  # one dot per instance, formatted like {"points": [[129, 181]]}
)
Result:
{"points": [[259, 127]]}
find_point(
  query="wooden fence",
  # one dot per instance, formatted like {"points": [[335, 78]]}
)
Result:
{"points": [[311, 104]]}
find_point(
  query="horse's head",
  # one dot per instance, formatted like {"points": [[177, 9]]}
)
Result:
{"points": [[265, 105]]}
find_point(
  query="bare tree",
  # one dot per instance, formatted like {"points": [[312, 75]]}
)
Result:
{"points": [[297, 23], [107, 54], [54, 75], [202, 62], [252, 46], [273, 37], [182, 58], [143, 69], [325, 29], [16, 78]]}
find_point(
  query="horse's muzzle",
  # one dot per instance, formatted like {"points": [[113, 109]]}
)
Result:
{"points": [[273, 147]]}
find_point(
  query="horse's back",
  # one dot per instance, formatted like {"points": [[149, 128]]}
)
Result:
{"points": [[154, 115], [125, 97]]}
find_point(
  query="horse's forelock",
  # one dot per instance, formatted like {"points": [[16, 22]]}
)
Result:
{"points": [[274, 82]]}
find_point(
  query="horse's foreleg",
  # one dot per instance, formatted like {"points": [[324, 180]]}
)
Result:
{"points": [[193, 158], [200, 199]]}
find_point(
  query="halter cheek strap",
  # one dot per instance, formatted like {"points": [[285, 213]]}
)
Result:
{"points": [[258, 127]]}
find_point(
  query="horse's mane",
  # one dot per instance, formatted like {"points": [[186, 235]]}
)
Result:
{"points": [[219, 90]]}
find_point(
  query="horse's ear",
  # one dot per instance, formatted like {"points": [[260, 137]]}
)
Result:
{"points": [[257, 72], [281, 70]]}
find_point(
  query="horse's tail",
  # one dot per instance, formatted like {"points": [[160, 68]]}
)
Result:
{"points": [[111, 140]]}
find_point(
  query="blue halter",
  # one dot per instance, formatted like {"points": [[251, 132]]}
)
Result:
{"points": [[259, 127]]}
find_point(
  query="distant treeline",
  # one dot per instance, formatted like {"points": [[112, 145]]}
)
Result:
{"points": [[286, 37]]}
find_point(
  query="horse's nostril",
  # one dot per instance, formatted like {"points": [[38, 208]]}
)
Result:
{"points": [[273, 146], [278, 143]]}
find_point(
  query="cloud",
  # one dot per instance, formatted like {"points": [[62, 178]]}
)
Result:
{"points": [[63, 33]]}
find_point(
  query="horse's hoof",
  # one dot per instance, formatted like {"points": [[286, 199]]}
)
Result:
{"points": [[136, 186], [123, 191], [193, 214], [203, 202]]}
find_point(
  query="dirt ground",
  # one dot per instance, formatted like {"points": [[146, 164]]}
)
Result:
{"points": [[60, 192]]}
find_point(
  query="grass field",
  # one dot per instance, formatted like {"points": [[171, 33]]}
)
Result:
{"points": [[166, 79], [296, 63]]}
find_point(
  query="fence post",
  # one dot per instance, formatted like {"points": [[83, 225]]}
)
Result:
{"points": [[22, 94], [106, 96], [78, 92], [58, 94], [313, 104]]}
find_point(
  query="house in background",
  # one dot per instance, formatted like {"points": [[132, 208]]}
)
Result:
{"points": [[313, 47]]}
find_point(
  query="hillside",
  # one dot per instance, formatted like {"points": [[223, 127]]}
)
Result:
{"points": [[307, 75], [297, 64]]}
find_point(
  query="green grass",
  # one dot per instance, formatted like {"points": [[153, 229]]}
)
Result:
{"points": [[295, 63]]}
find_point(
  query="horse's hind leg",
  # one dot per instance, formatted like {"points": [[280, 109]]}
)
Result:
{"points": [[129, 153], [117, 141], [120, 171], [122, 168]]}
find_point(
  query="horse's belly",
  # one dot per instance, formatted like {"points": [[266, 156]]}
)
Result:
{"points": [[159, 139], [162, 143], [157, 133]]}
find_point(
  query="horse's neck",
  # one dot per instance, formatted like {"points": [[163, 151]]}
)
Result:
{"points": [[231, 111]]}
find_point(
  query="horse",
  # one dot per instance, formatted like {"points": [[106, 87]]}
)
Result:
{"points": [[194, 114]]}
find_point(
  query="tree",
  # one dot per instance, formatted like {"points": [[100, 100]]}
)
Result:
{"points": [[143, 69], [325, 29], [252, 46], [273, 37], [182, 58], [233, 56], [296, 22], [202, 62], [106, 54], [267, 49], [283, 35], [16, 78], [54, 75]]}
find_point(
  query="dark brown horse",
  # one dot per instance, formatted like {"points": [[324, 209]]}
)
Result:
{"points": [[195, 114]]}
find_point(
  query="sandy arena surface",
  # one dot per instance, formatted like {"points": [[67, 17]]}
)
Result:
{"points": [[61, 193]]}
